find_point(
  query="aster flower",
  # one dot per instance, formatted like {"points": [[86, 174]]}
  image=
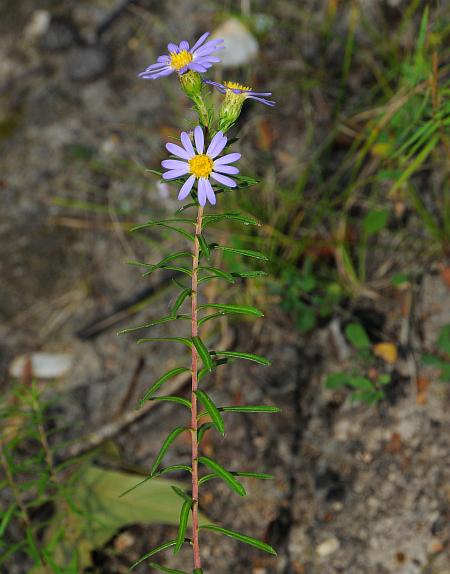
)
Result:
{"points": [[201, 165], [245, 92], [182, 58]]}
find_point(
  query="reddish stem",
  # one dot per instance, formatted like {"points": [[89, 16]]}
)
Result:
{"points": [[194, 422]]}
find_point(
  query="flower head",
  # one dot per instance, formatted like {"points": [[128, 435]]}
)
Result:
{"points": [[182, 58], [235, 96], [201, 165]]}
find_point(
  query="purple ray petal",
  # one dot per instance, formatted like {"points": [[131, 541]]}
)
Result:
{"points": [[229, 158], [200, 41], [197, 67], [174, 173], [163, 59], [172, 48], [199, 139], [154, 76], [202, 191], [223, 179], [210, 192], [187, 144], [174, 164], [186, 188], [217, 144], [270, 103], [184, 45], [178, 151], [230, 169]]}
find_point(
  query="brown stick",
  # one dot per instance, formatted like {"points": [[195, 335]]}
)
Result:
{"points": [[194, 369]]}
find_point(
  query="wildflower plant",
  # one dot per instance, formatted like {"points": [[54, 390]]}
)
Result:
{"points": [[202, 166]]}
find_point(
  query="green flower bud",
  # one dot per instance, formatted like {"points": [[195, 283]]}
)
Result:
{"points": [[191, 82]]}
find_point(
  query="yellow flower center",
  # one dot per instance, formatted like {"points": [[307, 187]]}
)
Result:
{"points": [[201, 165], [236, 86], [180, 60]]}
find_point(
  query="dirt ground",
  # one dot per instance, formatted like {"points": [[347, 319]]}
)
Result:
{"points": [[358, 489]]}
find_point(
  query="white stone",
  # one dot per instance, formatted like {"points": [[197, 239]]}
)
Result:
{"points": [[241, 47], [328, 547], [43, 365]]}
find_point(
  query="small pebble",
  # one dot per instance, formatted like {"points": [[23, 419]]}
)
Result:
{"points": [[328, 547]]}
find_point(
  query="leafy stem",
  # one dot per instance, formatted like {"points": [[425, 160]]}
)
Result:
{"points": [[194, 368]]}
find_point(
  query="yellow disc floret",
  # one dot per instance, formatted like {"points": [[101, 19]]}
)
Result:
{"points": [[201, 165], [236, 86], [180, 60]]}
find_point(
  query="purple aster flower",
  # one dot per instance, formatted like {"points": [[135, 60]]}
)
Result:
{"points": [[201, 165], [182, 58], [239, 90]]}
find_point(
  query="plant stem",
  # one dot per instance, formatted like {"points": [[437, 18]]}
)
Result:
{"points": [[194, 368]]}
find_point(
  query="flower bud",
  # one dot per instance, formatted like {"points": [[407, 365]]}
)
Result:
{"points": [[230, 110]]}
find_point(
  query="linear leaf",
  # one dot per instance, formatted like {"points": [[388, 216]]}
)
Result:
{"points": [[219, 273], [260, 475], [216, 363], [183, 340], [224, 474], [203, 320], [155, 550], [248, 356], [249, 274], [179, 230], [162, 379], [186, 292], [178, 268], [203, 352], [251, 409], [238, 309], [161, 221], [165, 569], [209, 219], [154, 323], [172, 468], [204, 246], [243, 252], [202, 430], [171, 399], [165, 447], [181, 494], [241, 537], [184, 517], [6, 518], [168, 259], [212, 411]]}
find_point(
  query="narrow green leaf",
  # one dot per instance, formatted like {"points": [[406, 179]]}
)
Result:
{"points": [[357, 336], [249, 274], [161, 221], [167, 469], [184, 517], [203, 353], [241, 537], [179, 230], [212, 411], [237, 309], [183, 340], [197, 571], [154, 323], [180, 300], [243, 252], [178, 268], [171, 399], [162, 379], [165, 447], [216, 363], [203, 320], [165, 569], [224, 474], [219, 273], [181, 494], [204, 246], [159, 548], [209, 219], [203, 429], [251, 409], [248, 356], [260, 475], [7, 518]]}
